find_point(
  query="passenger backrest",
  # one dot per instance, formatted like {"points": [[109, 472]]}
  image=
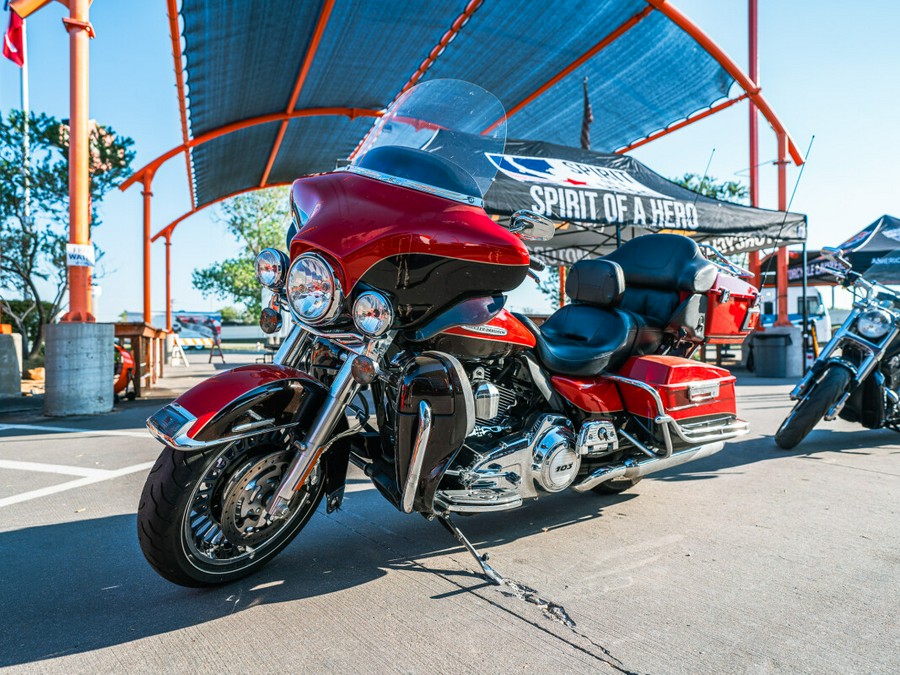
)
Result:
{"points": [[596, 282], [658, 268]]}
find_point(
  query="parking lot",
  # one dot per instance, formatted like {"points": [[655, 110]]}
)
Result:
{"points": [[753, 560]]}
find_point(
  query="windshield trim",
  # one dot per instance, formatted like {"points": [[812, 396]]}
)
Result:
{"points": [[414, 185]]}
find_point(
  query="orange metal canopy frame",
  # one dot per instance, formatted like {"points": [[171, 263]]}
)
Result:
{"points": [[752, 91]]}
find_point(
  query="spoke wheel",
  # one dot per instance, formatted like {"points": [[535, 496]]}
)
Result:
{"points": [[200, 521]]}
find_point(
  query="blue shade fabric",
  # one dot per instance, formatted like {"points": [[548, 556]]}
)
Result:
{"points": [[242, 60]]}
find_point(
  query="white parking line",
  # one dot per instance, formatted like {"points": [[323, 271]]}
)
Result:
{"points": [[52, 468], [81, 482], [72, 430]]}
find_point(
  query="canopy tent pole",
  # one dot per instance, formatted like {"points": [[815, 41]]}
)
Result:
{"points": [[753, 259], [782, 259], [169, 282], [806, 335], [147, 194]]}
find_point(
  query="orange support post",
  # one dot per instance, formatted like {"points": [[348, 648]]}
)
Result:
{"points": [[169, 282], [782, 258], [147, 194], [80, 31], [753, 261], [562, 285]]}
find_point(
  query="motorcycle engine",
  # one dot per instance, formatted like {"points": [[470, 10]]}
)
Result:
{"points": [[499, 473]]}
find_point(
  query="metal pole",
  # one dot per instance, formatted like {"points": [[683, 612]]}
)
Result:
{"points": [[147, 194], [169, 281], [806, 335], [782, 258], [753, 258], [26, 108], [562, 285], [80, 32], [618, 235]]}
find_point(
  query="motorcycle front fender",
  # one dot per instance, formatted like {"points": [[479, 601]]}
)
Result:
{"points": [[237, 403]]}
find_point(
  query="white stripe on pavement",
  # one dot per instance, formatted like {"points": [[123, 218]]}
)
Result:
{"points": [[52, 468], [71, 485], [73, 430]]}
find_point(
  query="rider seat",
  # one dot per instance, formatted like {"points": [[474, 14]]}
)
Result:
{"points": [[624, 304], [590, 335]]}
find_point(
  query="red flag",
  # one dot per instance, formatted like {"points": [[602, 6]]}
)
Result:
{"points": [[13, 47]]}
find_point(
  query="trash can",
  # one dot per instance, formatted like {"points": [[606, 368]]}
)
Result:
{"points": [[770, 353]]}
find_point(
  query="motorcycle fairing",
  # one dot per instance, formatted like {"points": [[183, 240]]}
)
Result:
{"points": [[359, 221], [241, 402]]}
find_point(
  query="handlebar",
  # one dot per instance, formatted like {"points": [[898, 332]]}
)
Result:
{"points": [[536, 265]]}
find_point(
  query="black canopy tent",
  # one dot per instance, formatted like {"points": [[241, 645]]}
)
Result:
{"points": [[874, 244], [601, 199]]}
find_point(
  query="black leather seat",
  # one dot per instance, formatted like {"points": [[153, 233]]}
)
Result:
{"points": [[589, 336], [666, 278]]}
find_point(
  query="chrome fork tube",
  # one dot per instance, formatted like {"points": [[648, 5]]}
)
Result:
{"points": [[342, 391]]}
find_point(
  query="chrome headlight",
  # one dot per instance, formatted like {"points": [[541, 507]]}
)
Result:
{"points": [[372, 313], [874, 323], [271, 265], [313, 291]]}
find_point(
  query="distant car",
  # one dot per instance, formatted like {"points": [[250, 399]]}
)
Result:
{"points": [[815, 308]]}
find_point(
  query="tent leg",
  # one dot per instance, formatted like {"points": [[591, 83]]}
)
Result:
{"points": [[618, 235], [806, 334]]}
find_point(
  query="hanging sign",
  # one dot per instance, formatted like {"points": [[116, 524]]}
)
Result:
{"points": [[80, 255]]}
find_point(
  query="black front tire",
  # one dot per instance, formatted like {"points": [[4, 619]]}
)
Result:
{"points": [[812, 407], [186, 495]]}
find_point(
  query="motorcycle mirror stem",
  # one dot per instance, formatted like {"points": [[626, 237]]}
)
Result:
{"points": [[835, 254]]}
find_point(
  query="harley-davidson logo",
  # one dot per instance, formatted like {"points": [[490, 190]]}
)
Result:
{"points": [[487, 330]]}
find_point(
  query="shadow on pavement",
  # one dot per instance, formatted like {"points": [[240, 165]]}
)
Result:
{"points": [[81, 586], [860, 441]]}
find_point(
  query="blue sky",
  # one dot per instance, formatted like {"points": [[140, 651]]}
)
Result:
{"points": [[828, 68]]}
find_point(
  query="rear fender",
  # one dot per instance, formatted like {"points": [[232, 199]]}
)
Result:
{"points": [[237, 403]]}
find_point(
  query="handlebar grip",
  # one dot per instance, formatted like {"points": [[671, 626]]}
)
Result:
{"points": [[536, 265]]}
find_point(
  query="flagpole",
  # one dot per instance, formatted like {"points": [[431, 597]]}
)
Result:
{"points": [[26, 143]]}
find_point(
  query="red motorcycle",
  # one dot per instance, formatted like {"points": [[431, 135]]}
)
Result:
{"points": [[403, 361]]}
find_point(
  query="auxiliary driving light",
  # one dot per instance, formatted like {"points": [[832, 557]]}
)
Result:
{"points": [[372, 313], [271, 266]]}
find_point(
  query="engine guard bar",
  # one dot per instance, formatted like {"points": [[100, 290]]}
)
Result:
{"points": [[723, 431]]}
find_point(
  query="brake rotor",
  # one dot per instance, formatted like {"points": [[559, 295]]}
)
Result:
{"points": [[245, 501]]}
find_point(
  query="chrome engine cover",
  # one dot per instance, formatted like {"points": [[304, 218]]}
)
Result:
{"points": [[521, 466]]}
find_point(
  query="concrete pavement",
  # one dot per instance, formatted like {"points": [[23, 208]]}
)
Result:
{"points": [[753, 560]]}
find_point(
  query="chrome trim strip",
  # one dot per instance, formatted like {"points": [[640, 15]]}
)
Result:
{"points": [[418, 455], [413, 185]]}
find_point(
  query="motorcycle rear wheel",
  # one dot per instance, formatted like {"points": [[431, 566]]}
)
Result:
{"points": [[812, 407], [197, 518]]}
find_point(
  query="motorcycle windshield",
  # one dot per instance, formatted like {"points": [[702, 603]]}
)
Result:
{"points": [[885, 269], [436, 136]]}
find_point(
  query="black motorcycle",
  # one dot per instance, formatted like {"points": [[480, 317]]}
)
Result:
{"points": [[857, 374]]}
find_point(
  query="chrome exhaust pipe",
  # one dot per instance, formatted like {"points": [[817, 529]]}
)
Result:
{"points": [[631, 468]]}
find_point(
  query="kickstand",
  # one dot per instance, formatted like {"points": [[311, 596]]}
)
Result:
{"points": [[489, 572]]}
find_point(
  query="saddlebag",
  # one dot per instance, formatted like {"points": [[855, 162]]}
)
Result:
{"points": [[699, 397], [732, 311]]}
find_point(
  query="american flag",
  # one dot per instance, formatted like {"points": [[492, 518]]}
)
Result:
{"points": [[586, 120]]}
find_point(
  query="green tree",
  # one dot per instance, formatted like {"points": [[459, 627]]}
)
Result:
{"points": [[257, 221], [728, 191], [33, 229]]}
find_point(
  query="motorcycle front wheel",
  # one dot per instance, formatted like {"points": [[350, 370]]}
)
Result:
{"points": [[200, 518], [812, 407]]}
